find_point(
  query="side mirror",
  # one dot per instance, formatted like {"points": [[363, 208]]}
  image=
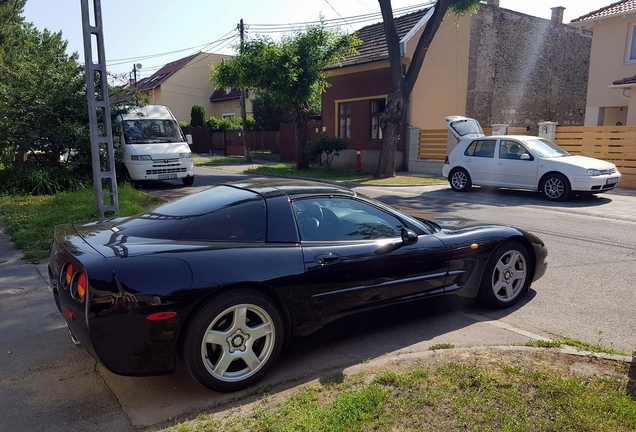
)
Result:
{"points": [[189, 139], [408, 236], [524, 156]]}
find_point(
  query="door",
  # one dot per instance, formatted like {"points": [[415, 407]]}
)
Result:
{"points": [[516, 167], [479, 159], [355, 259]]}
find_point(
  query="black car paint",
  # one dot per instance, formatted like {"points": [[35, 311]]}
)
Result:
{"points": [[131, 278]]}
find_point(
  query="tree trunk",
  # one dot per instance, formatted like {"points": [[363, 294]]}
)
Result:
{"points": [[302, 118], [391, 122]]}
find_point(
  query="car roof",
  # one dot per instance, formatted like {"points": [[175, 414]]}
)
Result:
{"points": [[294, 188], [517, 137]]}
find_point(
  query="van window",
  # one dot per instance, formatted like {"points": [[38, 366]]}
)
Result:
{"points": [[151, 131]]}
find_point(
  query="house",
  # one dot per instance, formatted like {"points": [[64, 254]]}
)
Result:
{"points": [[183, 83], [612, 71], [498, 66]]}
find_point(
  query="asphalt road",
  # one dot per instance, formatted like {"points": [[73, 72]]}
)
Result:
{"points": [[48, 384]]}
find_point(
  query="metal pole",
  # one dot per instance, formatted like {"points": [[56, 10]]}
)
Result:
{"points": [[102, 152]]}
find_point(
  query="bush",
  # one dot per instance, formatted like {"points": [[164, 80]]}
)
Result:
{"points": [[324, 144], [38, 179], [197, 116]]}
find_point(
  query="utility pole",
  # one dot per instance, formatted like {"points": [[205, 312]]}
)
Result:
{"points": [[102, 153], [246, 146]]}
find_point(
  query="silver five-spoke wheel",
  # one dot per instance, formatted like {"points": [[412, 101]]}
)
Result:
{"points": [[233, 340], [507, 275]]}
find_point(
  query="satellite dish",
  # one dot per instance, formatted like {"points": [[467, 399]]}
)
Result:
{"points": [[138, 65]]}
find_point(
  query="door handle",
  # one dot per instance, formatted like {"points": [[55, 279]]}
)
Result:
{"points": [[327, 258]]}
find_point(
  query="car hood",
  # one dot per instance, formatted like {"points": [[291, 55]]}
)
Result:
{"points": [[164, 150], [585, 162]]}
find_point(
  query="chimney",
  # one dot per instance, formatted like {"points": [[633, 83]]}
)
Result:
{"points": [[557, 14], [493, 2]]}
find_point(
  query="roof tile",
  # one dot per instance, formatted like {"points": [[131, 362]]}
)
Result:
{"points": [[374, 45], [617, 8]]}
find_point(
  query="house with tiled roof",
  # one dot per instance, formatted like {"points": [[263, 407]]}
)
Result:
{"points": [[498, 66], [183, 83], [612, 71]]}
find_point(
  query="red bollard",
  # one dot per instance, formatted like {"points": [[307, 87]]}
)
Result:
{"points": [[358, 156]]}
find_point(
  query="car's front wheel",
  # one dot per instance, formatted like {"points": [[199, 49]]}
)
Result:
{"points": [[556, 187], [188, 181], [507, 276], [459, 180], [234, 340]]}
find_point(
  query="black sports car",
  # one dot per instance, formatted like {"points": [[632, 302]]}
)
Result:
{"points": [[229, 276]]}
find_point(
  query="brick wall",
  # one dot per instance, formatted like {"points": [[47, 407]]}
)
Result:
{"points": [[525, 69]]}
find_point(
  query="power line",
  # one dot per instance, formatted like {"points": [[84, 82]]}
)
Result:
{"points": [[225, 40]]}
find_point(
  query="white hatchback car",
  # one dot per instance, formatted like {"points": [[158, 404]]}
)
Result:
{"points": [[522, 162]]}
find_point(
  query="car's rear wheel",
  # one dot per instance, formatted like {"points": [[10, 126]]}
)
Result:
{"points": [[556, 187], [188, 181], [459, 180], [506, 277], [234, 340]]}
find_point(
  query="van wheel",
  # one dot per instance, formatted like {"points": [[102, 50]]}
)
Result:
{"points": [[129, 179], [188, 181]]}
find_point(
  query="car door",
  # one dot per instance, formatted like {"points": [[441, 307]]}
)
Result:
{"points": [[479, 159], [516, 166], [355, 259]]}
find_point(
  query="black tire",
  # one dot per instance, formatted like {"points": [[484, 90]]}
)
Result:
{"points": [[129, 179], [460, 180], [188, 181], [556, 187], [234, 340], [506, 277]]}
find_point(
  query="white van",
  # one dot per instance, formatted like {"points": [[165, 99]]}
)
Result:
{"points": [[154, 145]]}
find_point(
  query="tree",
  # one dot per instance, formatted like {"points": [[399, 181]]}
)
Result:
{"points": [[42, 95], [402, 85], [268, 114], [197, 116], [291, 72]]}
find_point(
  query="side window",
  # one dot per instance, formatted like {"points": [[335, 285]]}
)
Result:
{"points": [[512, 150], [344, 118], [481, 148], [338, 219], [631, 52], [242, 222], [377, 108]]}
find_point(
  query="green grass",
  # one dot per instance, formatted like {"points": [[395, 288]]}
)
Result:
{"points": [[579, 345], [456, 396], [30, 220], [218, 160], [322, 173]]}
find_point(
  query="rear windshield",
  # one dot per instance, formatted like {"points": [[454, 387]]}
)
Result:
{"points": [[222, 213], [151, 131], [467, 126]]}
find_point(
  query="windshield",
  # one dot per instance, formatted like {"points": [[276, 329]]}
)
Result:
{"points": [[151, 131], [545, 148]]}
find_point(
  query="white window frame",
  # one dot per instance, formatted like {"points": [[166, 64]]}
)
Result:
{"points": [[630, 52]]}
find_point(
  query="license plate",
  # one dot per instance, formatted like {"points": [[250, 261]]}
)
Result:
{"points": [[612, 180], [167, 176]]}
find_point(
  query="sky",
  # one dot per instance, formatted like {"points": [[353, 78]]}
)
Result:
{"points": [[155, 32]]}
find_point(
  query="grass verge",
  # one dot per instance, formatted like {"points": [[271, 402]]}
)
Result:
{"points": [[493, 395], [322, 173], [30, 220]]}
